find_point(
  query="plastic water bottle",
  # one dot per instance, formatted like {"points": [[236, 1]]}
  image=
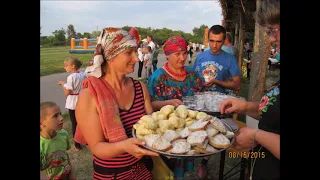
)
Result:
{"points": [[179, 169], [188, 166]]}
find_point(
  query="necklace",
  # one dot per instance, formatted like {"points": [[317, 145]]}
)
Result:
{"points": [[166, 66]]}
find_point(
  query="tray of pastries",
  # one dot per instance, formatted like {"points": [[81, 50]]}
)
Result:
{"points": [[181, 132]]}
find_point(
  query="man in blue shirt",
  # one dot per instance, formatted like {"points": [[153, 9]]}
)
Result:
{"points": [[228, 47], [215, 65]]}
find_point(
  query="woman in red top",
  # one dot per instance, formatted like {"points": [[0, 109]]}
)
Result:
{"points": [[106, 127]]}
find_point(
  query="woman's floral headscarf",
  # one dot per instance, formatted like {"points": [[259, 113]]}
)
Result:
{"points": [[111, 42]]}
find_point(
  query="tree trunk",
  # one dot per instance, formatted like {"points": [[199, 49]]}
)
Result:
{"points": [[261, 52]]}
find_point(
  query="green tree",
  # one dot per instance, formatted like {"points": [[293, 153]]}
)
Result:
{"points": [[86, 35], [159, 35], [60, 37], [51, 40], [198, 33], [95, 34], [79, 35], [71, 33], [126, 28], [44, 40]]}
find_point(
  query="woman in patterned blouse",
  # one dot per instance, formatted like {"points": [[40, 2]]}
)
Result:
{"points": [[174, 80], [169, 84]]}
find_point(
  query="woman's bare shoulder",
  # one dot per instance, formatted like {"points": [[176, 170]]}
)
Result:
{"points": [[85, 96]]}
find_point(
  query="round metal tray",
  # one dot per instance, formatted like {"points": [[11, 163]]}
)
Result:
{"points": [[227, 126], [213, 113]]}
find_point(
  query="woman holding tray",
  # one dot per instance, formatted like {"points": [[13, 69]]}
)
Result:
{"points": [[108, 106]]}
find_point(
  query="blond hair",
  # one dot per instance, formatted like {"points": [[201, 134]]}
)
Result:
{"points": [[75, 61]]}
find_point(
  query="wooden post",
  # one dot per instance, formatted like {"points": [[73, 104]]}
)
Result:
{"points": [[231, 32], [241, 39], [256, 30], [240, 50], [259, 61], [236, 35], [223, 22]]}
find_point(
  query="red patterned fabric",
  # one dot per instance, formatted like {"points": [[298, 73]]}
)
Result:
{"points": [[108, 110], [134, 32], [174, 44]]}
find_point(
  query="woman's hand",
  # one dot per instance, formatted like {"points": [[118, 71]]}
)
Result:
{"points": [[233, 105], [244, 138], [175, 102], [60, 83], [131, 146]]}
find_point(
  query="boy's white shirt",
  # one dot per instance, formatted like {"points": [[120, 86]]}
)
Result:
{"points": [[74, 82], [148, 58]]}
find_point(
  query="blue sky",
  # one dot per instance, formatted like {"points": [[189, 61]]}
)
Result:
{"points": [[87, 16]]}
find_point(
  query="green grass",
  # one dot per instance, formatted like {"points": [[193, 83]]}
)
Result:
{"points": [[51, 59]]}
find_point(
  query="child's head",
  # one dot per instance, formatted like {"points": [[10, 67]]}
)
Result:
{"points": [[72, 64], [50, 116], [149, 49]]}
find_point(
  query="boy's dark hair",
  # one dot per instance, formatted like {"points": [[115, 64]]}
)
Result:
{"points": [[75, 61], [149, 48], [151, 37], [217, 29]]}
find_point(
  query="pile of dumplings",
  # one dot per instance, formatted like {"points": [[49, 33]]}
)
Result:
{"points": [[183, 131]]}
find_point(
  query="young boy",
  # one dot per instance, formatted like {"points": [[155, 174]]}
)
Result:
{"points": [[54, 142], [148, 62]]}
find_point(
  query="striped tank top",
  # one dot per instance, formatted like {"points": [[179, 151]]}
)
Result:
{"points": [[128, 118]]}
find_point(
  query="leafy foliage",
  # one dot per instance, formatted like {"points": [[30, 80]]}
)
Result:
{"points": [[63, 37]]}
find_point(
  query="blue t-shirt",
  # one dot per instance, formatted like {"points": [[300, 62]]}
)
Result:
{"points": [[229, 49], [162, 86], [219, 66]]}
